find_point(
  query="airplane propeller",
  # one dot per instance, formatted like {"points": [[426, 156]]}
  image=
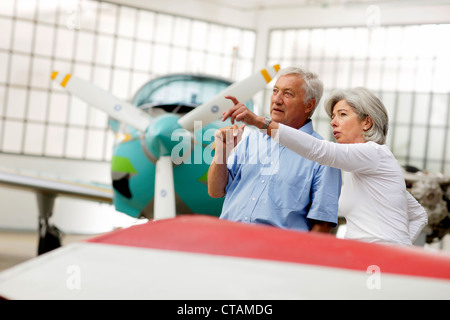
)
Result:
{"points": [[158, 132], [99, 98]]}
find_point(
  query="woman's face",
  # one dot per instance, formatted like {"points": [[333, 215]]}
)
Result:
{"points": [[347, 128]]}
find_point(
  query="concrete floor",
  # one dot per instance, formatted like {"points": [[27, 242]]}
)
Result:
{"points": [[19, 246]]}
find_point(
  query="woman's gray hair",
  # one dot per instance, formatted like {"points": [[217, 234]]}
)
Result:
{"points": [[312, 85], [364, 103]]}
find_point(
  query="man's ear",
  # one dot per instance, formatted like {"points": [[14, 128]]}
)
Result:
{"points": [[310, 106]]}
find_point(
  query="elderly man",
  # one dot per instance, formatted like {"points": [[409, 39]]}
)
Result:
{"points": [[262, 181]]}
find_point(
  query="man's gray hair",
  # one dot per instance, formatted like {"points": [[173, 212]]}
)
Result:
{"points": [[312, 85], [364, 103]]}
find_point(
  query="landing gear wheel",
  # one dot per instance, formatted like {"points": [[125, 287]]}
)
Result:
{"points": [[49, 237]]}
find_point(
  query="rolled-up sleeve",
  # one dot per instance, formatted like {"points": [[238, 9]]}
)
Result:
{"points": [[325, 191]]}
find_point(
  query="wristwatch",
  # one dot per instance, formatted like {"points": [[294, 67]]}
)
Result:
{"points": [[266, 124]]}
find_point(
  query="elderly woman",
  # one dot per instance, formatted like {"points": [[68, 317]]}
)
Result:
{"points": [[374, 199]]}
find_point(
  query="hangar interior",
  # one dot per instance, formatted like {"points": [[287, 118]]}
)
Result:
{"points": [[395, 48]]}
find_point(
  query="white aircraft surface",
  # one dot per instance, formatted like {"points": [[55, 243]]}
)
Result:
{"points": [[195, 257]]}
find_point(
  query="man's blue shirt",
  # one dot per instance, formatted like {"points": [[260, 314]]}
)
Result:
{"points": [[270, 184]]}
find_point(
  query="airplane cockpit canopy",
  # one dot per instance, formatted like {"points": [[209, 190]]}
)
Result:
{"points": [[175, 93], [178, 93]]}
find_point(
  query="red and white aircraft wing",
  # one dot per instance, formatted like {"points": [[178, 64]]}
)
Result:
{"points": [[202, 257]]}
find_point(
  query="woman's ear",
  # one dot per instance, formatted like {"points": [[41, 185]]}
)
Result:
{"points": [[368, 123]]}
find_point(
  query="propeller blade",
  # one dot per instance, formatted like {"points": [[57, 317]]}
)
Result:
{"points": [[99, 98], [243, 90], [164, 201]]}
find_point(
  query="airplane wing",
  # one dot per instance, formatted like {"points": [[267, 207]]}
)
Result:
{"points": [[45, 183], [47, 188], [202, 257]]}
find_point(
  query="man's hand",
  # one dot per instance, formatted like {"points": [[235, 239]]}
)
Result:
{"points": [[321, 226], [239, 112], [225, 139]]}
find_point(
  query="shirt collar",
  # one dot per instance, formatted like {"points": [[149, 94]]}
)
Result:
{"points": [[307, 127]]}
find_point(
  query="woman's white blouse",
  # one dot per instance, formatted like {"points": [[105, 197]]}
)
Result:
{"points": [[374, 199]]}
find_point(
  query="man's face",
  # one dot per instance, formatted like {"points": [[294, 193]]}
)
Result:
{"points": [[286, 103]]}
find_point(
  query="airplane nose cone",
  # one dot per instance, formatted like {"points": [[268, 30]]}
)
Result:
{"points": [[164, 134]]}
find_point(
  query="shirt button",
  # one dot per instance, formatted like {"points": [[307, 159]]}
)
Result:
{"points": [[262, 181], [245, 218], [253, 198]]}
